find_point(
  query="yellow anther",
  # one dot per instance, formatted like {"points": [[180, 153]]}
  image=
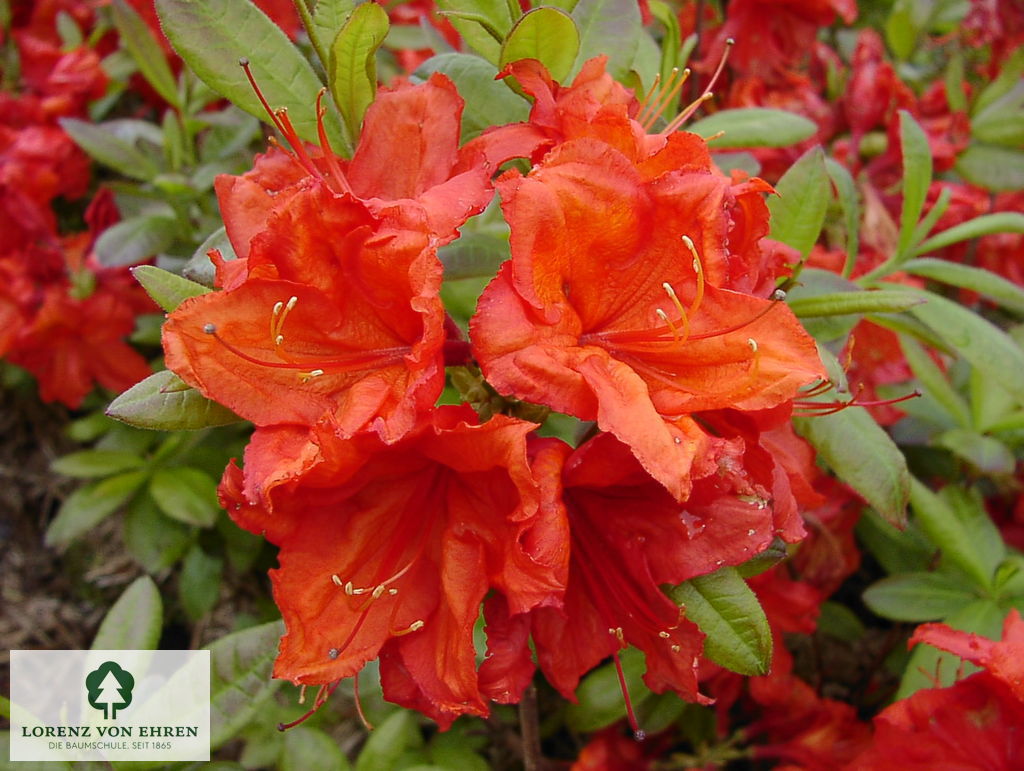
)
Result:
{"points": [[378, 591], [415, 626], [668, 322]]}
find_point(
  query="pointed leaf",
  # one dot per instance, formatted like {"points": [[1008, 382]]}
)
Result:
{"points": [[329, 17], [984, 282], [163, 402], [609, 27], [727, 611], [846, 191], [100, 142], [984, 453], [798, 211], [88, 464], [135, 620], [389, 741], [167, 289], [199, 582], [352, 70], [986, 224], [754, 127], [145, 50], [134, 240], [186, 494], [154, 541], [213, 35], [599, 695], [310, 749], [997, 168], [935, 382], [837, 304], [546, 34], [87, 506], [917, 176], [240, 678], [917, 597]]}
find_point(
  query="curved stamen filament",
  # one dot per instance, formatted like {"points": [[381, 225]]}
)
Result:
{"points": [[332, 162], [322, 695], [698, 269], [688, 112], [653, 110]]}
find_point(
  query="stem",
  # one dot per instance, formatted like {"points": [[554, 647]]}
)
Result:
{"points": [[529, 727]]}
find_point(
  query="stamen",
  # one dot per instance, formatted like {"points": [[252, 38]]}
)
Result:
{"points": [[332, 162], [698, 269], [210, 329], [675, 649], [415, 626], [687, 113], [664, 635], [359, 705], [335, 579], [321, 699], [333, 653], [664, 317], [666, 94], [630, 714]]}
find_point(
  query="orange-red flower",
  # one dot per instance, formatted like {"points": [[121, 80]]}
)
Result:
{"points": [[390, 549]]}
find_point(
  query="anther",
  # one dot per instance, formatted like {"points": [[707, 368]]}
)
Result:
{"points": [[333, 653], [668, 322], [348, 588], [752, 343], [675, 649], [664, 635], [415, 626], [378, 591], [210, 329], [337, 581], [392, 592]]}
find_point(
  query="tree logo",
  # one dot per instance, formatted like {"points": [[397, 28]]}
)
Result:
{"points": [[110, 688]]}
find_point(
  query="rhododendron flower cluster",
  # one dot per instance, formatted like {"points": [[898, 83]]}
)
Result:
{"points": [[639, 297]]}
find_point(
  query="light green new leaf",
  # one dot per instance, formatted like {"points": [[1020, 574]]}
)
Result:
{"points": [[546, 34], [352, 69], [483, 24], [240, 678], [917, 597], [167, 289], [213, 35], [145, 50], [727, 611], [186, 494], [611, 28], [839, 303], [88, 506], [917, 177], [154, 541], [162, 402], [984, 282], [599, 695], [91, 464], [754, 127], [798, 211], [135, 239], [135, 620]]}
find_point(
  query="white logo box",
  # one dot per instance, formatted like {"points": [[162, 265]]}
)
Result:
{"points": [[159, 710]]}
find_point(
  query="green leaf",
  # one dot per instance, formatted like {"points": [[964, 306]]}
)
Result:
{"points": [[310, 749], [609, 27], [934, 381], [213, 35], [483, 24], [389, 741], [754, 127], [135, 239], [489, 102], [352, 70], [917, 597], [961, 530], [837, 304], [163, 402], [240, 678], [1009, 76], [599, 695], [849, 201], [135, 620], [863, 456], [897, 551], [329, 16], [837, 620], [87, 506], [991, 166], [798, 212], [813, 283], [105, 146], [89, 464], [1002, 121], [145, 50], [984, 282], [154, 541], [199, 582], [200, 268], [917, 177], [546, 34], [980, 342], [986, 224], [727, 611], [186, 494], [986, 454], [167, 289], [990, 402]]}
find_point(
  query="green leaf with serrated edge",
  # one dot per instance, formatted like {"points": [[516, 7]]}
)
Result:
{"points": [[352, 71], [213, 35], [240, 678], [153, 541], [849, 201], [798, 211], [88, 506], [984, 453], [489, 102], [186, 494], [135, 239], [984, 282], [310, 749], [611, 28], [135, 620], [863, 456], [727, 611], [754, 127], [199, 582], [874, 301], [546, 34], [162, 402], [389, 741], [481, 23], [917, 597], [167, 289], [950, 530], [917, 177], [136, 36], [997, 168], [977, 340], [90, 464], [109, 149], [929, 667], [986, 224], [599, 695], [934, 381]]}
